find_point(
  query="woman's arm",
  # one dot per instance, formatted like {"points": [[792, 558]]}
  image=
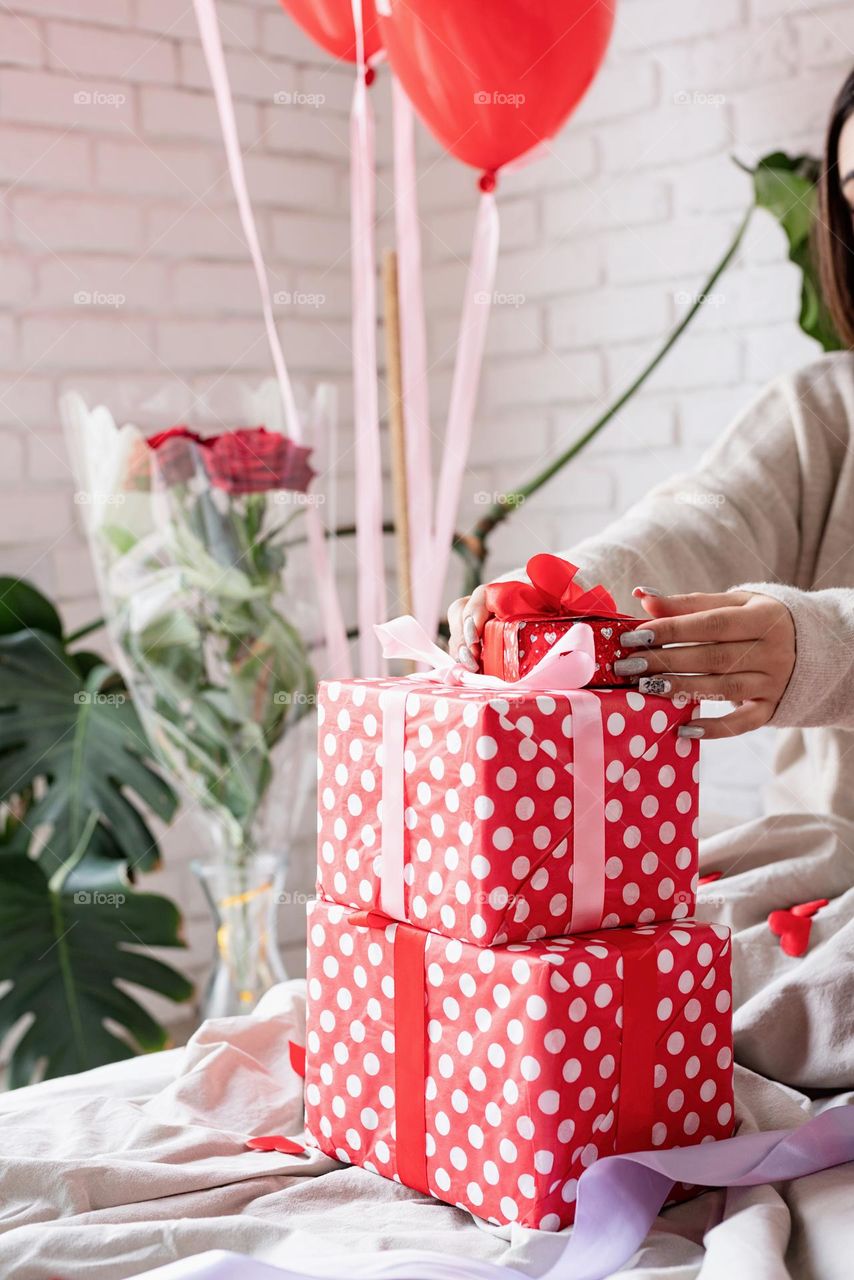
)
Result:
{"points": [[735, 517], [756, 508]]}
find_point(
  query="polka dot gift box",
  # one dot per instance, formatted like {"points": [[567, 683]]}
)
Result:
{"points": [[491, 1078], [505, 816], [528, 617], [511, 649]]}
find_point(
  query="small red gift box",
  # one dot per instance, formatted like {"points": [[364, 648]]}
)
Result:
{"points": [[492, 1077], [528, 617], [505, 816]]}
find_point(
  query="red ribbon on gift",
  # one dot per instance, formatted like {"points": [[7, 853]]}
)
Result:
{"points": [[551, 593], [635, 1107]]}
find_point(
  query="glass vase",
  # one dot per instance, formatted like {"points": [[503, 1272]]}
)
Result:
{"points": [[243, 896]]}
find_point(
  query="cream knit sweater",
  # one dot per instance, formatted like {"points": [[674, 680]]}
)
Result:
{"points": [[770, 508]]}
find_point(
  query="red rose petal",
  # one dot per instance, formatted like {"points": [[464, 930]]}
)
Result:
{"points": [[296, 1053], [793, 931], [809, 908], [276, 1142]]}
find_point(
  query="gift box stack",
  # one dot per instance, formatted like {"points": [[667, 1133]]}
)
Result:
{"points": [[504, 982]]}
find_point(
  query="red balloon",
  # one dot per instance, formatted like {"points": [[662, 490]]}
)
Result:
{"points": [[330, 24], [492, 79]]}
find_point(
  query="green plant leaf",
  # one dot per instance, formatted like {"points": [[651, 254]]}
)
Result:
{"points": [[23, 608], [69, 731], [66, 943], [787, 187]]}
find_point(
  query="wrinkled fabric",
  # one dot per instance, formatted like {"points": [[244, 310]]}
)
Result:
{"points": [[122, 1169]]}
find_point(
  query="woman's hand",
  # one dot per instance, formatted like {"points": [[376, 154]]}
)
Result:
{"points": [[467, 618], [738, 647]]}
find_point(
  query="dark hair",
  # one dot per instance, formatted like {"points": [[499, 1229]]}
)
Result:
{"points": [[834, 226]]}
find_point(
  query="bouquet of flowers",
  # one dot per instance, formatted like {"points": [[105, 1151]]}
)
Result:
{"points": [[190, 535]]}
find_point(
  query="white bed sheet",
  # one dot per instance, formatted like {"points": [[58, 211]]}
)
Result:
{"points": [[115, 1172]]}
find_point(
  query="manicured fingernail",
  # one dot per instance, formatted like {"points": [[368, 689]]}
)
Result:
{"points": [[636, 639], [630, 666], [466, 658], [470, 631], [646, 591], [690, 731], [652, 684]]}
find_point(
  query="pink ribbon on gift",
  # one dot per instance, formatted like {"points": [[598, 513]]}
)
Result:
{"points": [[565, 668]]}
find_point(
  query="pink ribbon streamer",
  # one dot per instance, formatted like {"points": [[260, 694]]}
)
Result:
{"points": [[337, 648], [458, 430], [416, 396], [369, 493], [565, 668]]}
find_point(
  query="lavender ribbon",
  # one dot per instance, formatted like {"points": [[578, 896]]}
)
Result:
{"points": [[619, 1198]]}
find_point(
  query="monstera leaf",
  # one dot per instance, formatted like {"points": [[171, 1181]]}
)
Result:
{"points": [[787, 187], [66, 943], [22, 607], [70, 737]]}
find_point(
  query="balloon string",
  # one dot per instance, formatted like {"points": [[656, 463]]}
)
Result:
{"points": [[469, 358], [371, 603], [416, 395], [337, 648]]}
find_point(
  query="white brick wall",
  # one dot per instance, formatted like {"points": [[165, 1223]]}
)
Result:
{"points": [[632, 208], [114, 181]]}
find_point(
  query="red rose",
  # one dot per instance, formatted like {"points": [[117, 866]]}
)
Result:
{"points": [[255, 460], [175, 457], [172, 433]]}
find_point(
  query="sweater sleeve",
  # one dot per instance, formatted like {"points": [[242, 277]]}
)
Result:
{"points": [[819, 692], [735, 516], [768, 504]]}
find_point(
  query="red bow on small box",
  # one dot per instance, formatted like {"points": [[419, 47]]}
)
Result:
{"points": [[551, 593]]}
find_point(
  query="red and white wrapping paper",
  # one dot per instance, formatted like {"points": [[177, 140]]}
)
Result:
{"points": [[492, 1077], [467, 811], [529, 617], [512, 648]]}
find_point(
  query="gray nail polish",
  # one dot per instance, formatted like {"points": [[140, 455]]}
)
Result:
{"points": [[652, 684], [470, 631], [466, 658], [649, 591], [690, 731], [630, 666], [637, 639]]}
